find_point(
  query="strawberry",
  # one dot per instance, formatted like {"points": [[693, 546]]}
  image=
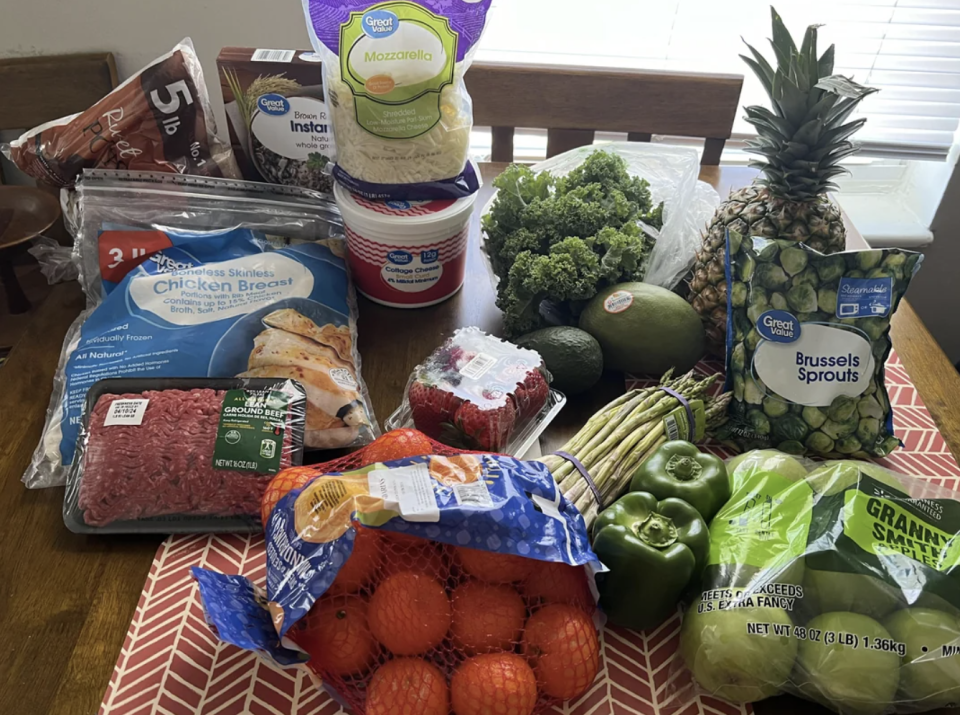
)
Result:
{"points": [[531, 394], [431, 406], [485, 429]]}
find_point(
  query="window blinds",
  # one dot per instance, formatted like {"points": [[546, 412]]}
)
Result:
{"points": [[910, 49]]}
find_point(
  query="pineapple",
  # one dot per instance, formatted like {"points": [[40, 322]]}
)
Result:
{"points": [[800, 144]]}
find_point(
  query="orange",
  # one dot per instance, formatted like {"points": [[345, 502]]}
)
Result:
{"points": [[336, 635], [409, 613], [493, 567], [494, 684], [412, 554], [561, 642], [401, 539], [486, 617], [397, 444], [407, 686], [554, 582], [361, 566], [292, 478]]}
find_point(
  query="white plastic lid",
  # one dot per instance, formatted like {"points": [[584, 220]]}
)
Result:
{"points": [[403, 218]]}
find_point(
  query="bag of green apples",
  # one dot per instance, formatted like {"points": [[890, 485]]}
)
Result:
{"points": [[838, 582]]}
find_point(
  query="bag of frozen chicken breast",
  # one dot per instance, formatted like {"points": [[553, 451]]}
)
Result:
{"points": [[226, 303]]}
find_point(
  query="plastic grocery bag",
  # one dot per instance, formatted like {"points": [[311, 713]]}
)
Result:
{"points": [[808, 336], [440, 580], [840, 585], [672, 174]]}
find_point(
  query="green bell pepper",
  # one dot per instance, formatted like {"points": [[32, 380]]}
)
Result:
{"points": [[654, 550], [678, 469]]}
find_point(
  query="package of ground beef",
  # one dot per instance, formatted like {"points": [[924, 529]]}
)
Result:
{"points": [[181, 455]]}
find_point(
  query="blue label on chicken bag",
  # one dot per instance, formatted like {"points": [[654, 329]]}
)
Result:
{"points": [[807, 339]]}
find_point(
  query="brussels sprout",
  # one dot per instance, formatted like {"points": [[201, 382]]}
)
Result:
{"points": [[895, 262], [738, 387], [847, 445], [813, 416], [775, 407], [819, 442], [747, 265], [911, 265], [754, 312], [868, 430], [790, 427], [855, 274], [778, 301], [880, 273], [733, 241], [758, 422], [880, 350], [807, 276], [827, 300], [882, 399], [802, 298], [758, 296], [874, 327], [770, 276], [753, 392], [842, 408], [868, 259], [796, 408], [738, 357], [791, 447], [753, 339], [768, 252], [738, 294], [887, 446], [871, 387], [869, 406], [813, 317], [836, 430], [793, 260], [741, 324], [831, 268]]}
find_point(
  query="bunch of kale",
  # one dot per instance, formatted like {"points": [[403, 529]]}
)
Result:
{"points": [[558, 241]]}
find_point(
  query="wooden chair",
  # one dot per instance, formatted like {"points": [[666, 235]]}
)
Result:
{"points": [[573, 103], [34, 90]]}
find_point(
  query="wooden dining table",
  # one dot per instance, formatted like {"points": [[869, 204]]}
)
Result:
{"points": [[66, 600]]}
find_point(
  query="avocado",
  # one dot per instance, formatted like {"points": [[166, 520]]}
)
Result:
{"points": [[572, 356], [644, 329]]}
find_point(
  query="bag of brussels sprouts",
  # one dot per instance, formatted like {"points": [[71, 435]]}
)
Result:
{"points": [[807, 338]]}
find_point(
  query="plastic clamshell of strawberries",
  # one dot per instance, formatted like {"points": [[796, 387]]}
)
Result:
{"points": [[478, 392]]}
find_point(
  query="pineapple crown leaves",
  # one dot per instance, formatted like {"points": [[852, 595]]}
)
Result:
{"points": [[802, 140]]}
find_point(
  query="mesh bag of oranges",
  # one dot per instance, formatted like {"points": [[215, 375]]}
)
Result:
{"points": [[447, 582]]}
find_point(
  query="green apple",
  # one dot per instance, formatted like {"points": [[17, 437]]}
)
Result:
{"points": [[825, 591], [850, 679], [836, 476], [765, 460], [927, 674], [730, 663]]}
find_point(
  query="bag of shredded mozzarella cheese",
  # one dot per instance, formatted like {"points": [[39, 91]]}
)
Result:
{"points": [[393, 77]]}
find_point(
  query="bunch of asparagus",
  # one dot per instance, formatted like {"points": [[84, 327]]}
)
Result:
{"points": [[618, 438]]}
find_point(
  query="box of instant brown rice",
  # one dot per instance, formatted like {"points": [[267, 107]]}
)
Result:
{"points": [[277, 115]]}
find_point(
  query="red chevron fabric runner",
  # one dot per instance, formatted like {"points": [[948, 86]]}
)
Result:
{"points": [[172, 664]]}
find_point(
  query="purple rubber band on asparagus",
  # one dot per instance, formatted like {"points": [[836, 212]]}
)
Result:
{"points": [[583, 473], [691, 430]]}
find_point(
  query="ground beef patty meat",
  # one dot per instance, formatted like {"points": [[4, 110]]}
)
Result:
{"points": [[165, 464]]}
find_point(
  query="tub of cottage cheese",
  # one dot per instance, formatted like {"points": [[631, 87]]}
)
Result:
{"points": [[406, 254]]}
